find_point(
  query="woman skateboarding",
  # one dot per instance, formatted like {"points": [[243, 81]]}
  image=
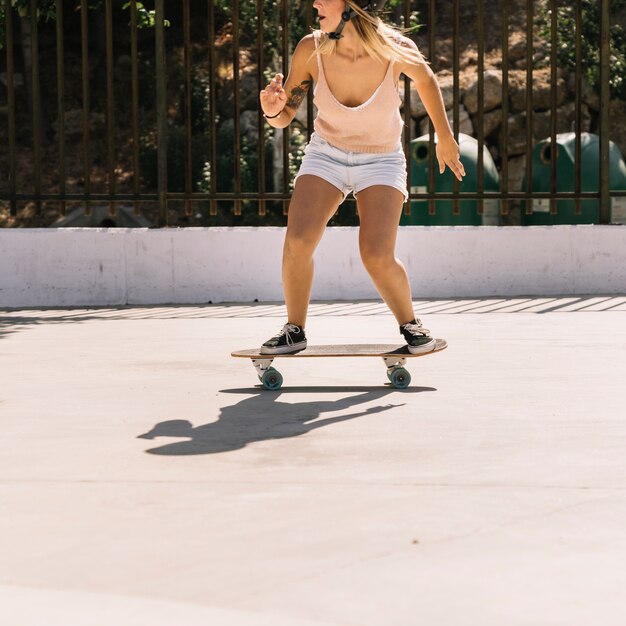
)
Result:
{"points": [[355, 61]]}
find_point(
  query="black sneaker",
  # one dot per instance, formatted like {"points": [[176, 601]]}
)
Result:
{"points": [[290, 339], [417, 337]]}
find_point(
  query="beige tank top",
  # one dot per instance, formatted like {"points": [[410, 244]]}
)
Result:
{"points": [[374, 126]]}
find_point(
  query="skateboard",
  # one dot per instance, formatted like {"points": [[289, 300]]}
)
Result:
{"points": [[394, 357]]}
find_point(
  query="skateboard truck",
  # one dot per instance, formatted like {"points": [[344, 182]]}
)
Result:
{"points": [[394, 361], [397, 375], [262, 365], [270, 378]]}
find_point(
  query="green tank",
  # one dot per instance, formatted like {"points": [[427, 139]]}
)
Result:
{"points": [[542, 156], [468, 209]]}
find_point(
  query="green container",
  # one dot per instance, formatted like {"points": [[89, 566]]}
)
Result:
{"points": [[444, 183], [566, 180]]}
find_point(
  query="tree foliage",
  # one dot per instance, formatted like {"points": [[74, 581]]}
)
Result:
{"points": [[590, 41], [47, 11]]}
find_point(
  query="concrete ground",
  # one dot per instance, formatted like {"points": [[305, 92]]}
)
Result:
{"points": [[147, 479]]}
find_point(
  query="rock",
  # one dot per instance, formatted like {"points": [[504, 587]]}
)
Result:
{"points": [[516, 133], [443, 61], [248, 94], [565, 115], [417, 106], [517, 170], [517, 47], [491, 122], [588, 93], [542, 89], [465, 123], [469, 57], [565, 120], [492, 92], [249, 126], [446, 84]]}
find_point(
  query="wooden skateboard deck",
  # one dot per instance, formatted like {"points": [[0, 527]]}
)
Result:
{"points": [[393, 355]]}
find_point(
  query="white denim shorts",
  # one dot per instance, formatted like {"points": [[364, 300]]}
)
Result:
{"points": [[354, 171]]}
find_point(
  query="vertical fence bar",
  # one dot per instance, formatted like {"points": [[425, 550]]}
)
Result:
{"points": [[504, 134], [260, 85], [135, 101], [578, 112], [111, 159], [407, 115], [212, 111], [605, 94], [161, 110], [431, 129], [61, 102], [456, 32], [529, 101], [237, 105], [187, 73], [285, 56], [553, 102], [8, 13], [84, 38], [309, 95], [36, 104], [480, 183]]}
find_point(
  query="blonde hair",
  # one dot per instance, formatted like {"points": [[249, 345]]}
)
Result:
{"points": [[380, 40]]}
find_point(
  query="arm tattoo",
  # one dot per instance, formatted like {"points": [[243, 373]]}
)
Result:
{"points": [[298, 94]]}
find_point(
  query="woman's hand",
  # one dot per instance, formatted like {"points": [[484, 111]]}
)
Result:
{"points": [[448, 154], [273, 97]]}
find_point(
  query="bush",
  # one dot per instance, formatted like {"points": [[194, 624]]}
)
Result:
{"points": [[590, 32]]}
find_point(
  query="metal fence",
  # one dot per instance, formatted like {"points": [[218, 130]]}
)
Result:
{"points": [[45, 73]]}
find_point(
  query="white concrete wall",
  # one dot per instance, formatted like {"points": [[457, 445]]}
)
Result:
{"points": [[75, 267]]}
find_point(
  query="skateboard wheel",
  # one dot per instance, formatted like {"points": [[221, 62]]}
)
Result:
{"points": [[272, 379], [400, 378]]}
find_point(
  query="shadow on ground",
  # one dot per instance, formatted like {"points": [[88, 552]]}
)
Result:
{"points": [[264, 416]]}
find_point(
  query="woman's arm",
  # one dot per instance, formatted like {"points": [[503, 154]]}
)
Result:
{"points": [[285, 100], [428, 90]]}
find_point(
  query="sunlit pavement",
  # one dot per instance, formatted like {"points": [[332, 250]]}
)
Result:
{"points": [[147, 479]]}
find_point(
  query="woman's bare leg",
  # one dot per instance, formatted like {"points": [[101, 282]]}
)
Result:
{"points": [[380, 207], [313, 203]]}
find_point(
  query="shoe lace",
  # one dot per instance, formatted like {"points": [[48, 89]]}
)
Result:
{"points": [[287, 329], [417, 329]]}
